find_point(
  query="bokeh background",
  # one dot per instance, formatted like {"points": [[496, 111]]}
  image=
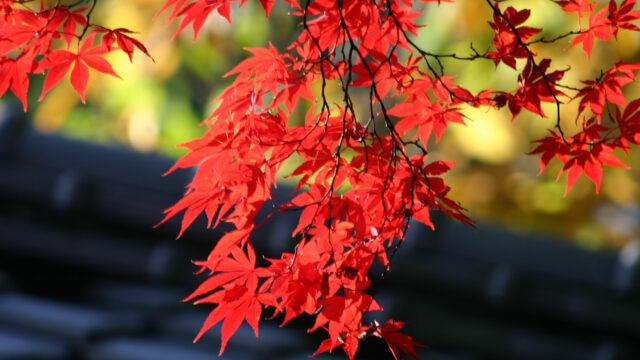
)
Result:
{"points": [[85, 276], [158, 105]]}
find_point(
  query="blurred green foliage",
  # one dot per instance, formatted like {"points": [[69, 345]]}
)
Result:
{"points": [[158, 105]]}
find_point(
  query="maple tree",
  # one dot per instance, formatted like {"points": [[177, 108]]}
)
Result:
{"points": [[363, 174]]}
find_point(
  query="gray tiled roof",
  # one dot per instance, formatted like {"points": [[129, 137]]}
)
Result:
{"points": [[84, 275]]}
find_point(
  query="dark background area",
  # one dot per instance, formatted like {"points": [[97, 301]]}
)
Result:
{"points": [[84, 275]]}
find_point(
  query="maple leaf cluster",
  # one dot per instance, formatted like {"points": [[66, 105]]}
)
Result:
{"points": [[36, 39], [363, 175]]}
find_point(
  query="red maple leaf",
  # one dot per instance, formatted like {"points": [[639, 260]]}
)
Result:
{"points": [[58, 63], [74, 19], [234, 288], [579, 6], [629, 122], [44, 25], [236, 268], [235, 304], [196, 13], [608, 88], [14, 74], [342, 317], [507, 43], [267, 5], [623, 16], [396, 340], [124, 42], [550, 147], [590, 163], [599, 28], [429, 118], [534, 84]]}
